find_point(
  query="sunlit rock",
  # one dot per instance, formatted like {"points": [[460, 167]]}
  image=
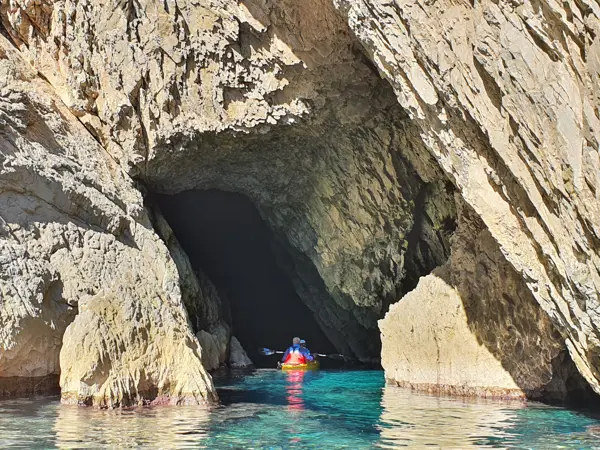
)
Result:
{"points": [[79, 254], [506, 98], [274, 101], [120, 352], [438, 352], [472, 327]]}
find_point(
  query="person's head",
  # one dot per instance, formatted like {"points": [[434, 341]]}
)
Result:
{"points": [[296, 341], [302, 343]]}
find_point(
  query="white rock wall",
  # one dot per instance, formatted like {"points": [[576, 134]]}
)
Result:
{"points": [[75, 239]]}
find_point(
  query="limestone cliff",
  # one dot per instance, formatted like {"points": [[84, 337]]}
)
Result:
{"points": [[233, 96], [78, 253], [506, 98], [351, 125]]}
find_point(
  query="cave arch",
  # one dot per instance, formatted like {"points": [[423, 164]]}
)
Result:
{"points": [[224, 236]]}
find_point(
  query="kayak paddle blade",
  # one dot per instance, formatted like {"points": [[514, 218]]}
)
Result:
{"points": [[334, 356], [266, 351]]}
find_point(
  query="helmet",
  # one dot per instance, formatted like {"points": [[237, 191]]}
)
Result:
{"points": [[296, 341], [302, 341]]}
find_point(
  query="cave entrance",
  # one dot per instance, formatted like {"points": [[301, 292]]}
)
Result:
{"points": [[224, 235]]}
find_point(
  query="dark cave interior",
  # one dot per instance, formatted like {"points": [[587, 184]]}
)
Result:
{"points": [[224, 235]]}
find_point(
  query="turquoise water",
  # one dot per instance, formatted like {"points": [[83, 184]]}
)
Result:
{"points": [[313, 410]]}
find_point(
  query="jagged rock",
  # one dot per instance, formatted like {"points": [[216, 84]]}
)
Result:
{"points": [[506, 96], [238, 359], [215, 346], [75, 237], [472, 327]]}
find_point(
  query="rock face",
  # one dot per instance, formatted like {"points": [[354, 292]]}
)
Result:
{"points": [[200, 298], [474, 327], [79, 254], [123, 351], [506, 98], [495, 103], [171, 89], [438, 352], [215, 346], [237, 357]]}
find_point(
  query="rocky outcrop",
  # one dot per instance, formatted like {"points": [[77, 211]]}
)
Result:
{"points": [[473, 327], [438, 352], [505, 96], [123, 351], [238, 359], [80, 258]]}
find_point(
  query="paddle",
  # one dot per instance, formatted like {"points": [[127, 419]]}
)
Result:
{"points": [[268, 352]]}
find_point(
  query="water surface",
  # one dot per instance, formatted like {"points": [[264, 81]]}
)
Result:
{"points": [[326, 409]]}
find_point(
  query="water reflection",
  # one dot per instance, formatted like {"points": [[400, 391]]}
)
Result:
{"points": [[301, 410], [161, 427], [413, 419], [293, 388], [419, 420], [295, 401]]}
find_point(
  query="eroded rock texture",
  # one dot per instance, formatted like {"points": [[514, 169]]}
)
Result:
{"points": [[505, 95], [473, 327], [238, 357], [201, 300], [272, 100], [78, 253]]}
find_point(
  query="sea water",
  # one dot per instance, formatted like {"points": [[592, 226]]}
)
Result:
{"points": [[306, 410]]}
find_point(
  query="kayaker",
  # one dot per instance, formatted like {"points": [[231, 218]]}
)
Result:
{"points": [[308, 355], [296, 354]]}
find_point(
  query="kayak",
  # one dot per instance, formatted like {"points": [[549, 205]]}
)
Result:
{"points": [[313, 365]]}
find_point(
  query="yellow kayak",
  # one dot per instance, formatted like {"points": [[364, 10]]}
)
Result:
{"points": [[313, 365]]}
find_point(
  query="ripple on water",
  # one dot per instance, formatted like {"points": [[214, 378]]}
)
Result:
{"points": [[271, 409]]}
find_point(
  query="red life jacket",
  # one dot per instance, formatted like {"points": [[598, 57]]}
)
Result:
{"points": [[295, 357]]}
